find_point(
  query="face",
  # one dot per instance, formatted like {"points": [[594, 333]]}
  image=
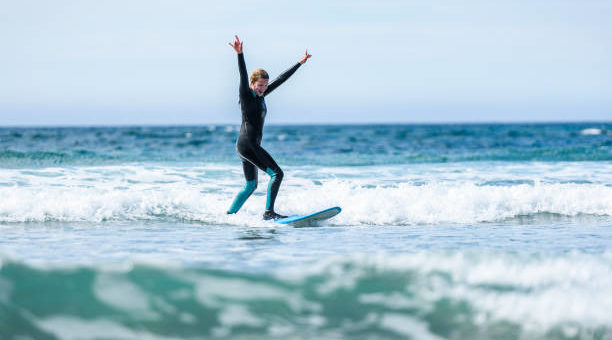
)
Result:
{"points": [[260, 86]]}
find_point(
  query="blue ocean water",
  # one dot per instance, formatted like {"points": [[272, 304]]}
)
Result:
{"points": [[481, 231]]}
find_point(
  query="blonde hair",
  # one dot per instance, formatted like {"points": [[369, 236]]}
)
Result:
{"points": [[259, 73]]}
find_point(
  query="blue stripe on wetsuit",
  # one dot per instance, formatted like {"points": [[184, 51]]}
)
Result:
{"points": [[242, 196], [269, 195]]}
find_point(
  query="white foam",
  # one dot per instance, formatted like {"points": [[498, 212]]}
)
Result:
{"points": [[69, 327], [591, 132], [394, 195], [436, 203], [407, 326], [116, 291], [537, 292], [215, 291]]}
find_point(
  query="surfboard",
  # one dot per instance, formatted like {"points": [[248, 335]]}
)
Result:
{"points": [[309, 220]]}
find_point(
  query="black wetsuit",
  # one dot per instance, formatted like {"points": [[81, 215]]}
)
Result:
{"points": [[249, 141]]}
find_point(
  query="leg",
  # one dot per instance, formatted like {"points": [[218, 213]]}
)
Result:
{"points": [[260, 158], [250, 173], [276, 177]]}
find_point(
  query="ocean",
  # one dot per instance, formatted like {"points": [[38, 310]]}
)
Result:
{"points": [[447, 231]]}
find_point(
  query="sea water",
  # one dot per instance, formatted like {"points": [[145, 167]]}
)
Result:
{"points": [[483, 231]]}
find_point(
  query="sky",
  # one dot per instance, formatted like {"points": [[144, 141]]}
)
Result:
{"points": [[168, 62]]}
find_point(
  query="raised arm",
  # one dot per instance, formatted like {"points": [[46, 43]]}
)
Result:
{"points": [[285, 75], [244, 77]]}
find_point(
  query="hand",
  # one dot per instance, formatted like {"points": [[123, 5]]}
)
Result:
{"points": [[236, 45], [304, 58]]}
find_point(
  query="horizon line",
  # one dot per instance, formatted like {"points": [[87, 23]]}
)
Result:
{"points": [[517, 122]]}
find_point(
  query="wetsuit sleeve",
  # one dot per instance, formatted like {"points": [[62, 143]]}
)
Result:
{"points": [[281, 79], [244, 78]]}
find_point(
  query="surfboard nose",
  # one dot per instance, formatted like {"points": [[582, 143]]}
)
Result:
{"points": [[310, 219]]}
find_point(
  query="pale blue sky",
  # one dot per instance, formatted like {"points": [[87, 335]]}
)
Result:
{"points": [[167, 62]]}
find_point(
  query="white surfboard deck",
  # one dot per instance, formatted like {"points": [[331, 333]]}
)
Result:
{"points": [[310, 220]]}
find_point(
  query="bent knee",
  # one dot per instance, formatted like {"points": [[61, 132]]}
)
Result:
{"points": [[278, 174]]}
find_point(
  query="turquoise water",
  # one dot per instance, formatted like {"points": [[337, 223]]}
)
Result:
{"points": [[485, 231], [335, 145]]}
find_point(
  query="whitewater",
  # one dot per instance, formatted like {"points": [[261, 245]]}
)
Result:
{"points": [[381, 195]]}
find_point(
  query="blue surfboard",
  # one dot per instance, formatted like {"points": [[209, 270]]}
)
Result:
{"points": [[309, 220]]}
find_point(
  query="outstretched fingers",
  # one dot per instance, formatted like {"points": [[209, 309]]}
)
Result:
{"points": [[237, 44], [305, 57]]}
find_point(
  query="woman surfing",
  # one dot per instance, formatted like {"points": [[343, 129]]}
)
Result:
{"points": [[253, 106]]}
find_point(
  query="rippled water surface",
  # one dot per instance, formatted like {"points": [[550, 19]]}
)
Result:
{"points": [[486, 231]]}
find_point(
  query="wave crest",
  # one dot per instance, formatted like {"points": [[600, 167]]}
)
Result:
{"points": [[402, 204], [420, 296]]}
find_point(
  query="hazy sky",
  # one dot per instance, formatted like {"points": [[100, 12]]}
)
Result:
{"points": [[168, 62]]}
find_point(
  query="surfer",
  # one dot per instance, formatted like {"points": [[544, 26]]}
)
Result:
{"points": [[248, 145]]}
